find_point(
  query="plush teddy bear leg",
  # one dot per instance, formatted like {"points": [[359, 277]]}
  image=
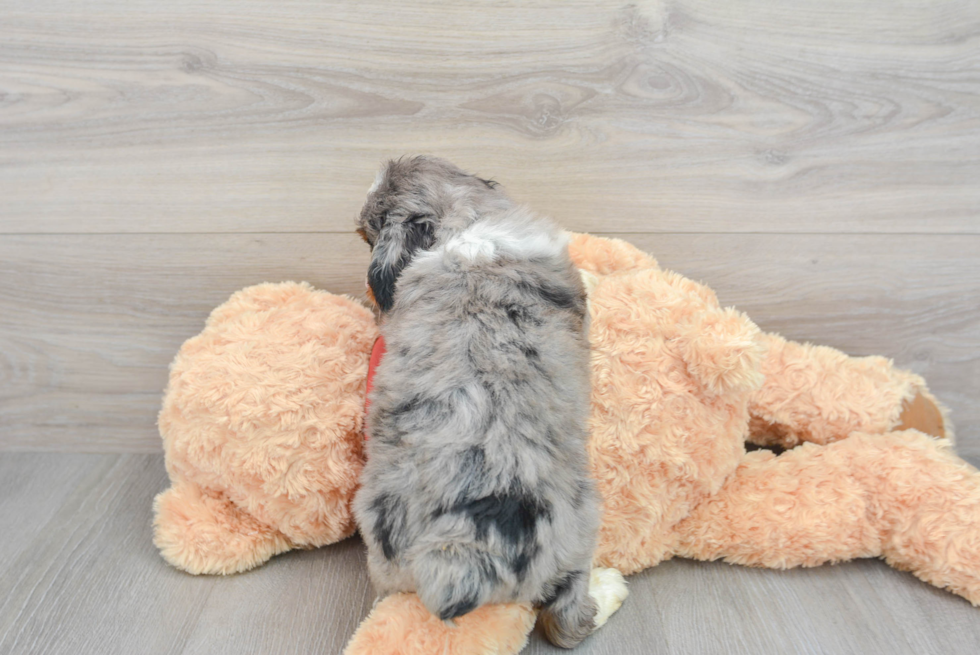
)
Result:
{"points": [[401, 625], [930, 504], [904, 496], [200, 531], [818, 394]]}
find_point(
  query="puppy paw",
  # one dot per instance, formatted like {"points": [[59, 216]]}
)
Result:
{"points": [[608, 589]]}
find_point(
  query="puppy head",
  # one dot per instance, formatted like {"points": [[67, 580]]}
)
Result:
{"points": [[415, 202]]}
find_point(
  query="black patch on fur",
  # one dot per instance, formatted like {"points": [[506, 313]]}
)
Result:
{"points": [[530, 352], [523, 561], [469, 587], [565, 298], [414, 234], [381, 279], [421, 233], [490, 183], [414, 411], [390, 512], [407, 407], [561, 587], [458, 609], [514, 515], [418, 412], [520, 317]]}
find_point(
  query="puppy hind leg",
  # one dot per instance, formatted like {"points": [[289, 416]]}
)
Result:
{"points": [[455, 580], [582, 604], [609, 590], [568, 616]]}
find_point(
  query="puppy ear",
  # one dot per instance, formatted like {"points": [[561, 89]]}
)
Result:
{"points": [[382, 274], [396, 245]]}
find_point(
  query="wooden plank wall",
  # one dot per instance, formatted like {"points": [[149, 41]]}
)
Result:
{"points": [[817, 163]]}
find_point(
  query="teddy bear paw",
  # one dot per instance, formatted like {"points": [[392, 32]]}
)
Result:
{"points": [[923, 413], [608, 588]]}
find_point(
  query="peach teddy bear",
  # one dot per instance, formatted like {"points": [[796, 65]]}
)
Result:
{"points": [[262, 431]]}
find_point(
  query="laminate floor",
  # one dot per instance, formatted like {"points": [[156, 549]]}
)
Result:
{"points": [[79, 575]]}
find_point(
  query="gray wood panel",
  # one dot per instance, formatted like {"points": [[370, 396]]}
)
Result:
{"points": [[687, 116], [79, 575], [90, 322], [815, 162], [90, 581]]}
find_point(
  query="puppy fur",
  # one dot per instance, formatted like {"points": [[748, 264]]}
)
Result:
{"points": [[476, 487]]}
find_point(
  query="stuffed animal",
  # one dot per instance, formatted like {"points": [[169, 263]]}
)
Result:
{"points": [[262, 429]]}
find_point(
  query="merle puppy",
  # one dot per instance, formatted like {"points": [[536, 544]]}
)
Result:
{"points": [[476, 487]]}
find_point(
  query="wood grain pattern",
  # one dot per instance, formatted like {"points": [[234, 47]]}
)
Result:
{"points": [[90, 322], [80, 575], [90, 581], [691, 116], [815, 162]]}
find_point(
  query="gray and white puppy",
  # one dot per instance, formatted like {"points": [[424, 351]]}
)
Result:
{"points": [[476, 488]]}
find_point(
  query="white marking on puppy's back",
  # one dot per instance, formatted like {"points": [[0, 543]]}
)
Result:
{"points": [[520, 236], [472, 247]]}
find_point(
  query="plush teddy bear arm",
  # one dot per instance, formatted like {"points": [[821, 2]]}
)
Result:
{"points": [[401, 625], [818, 394], [722, 350], [202, 532], [603, 256], [903, 496]]}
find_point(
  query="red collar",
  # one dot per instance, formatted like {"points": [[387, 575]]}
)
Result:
{"points": [[377, 352]]}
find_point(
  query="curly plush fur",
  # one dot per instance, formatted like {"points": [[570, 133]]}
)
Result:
{"points": [[262, 427], [476, 487], [262, 432]]}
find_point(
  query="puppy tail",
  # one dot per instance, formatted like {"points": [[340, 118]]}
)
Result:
{"points": [[455, 580]]}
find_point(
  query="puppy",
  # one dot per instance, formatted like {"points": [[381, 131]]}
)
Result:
{"points": [[476, 487]]}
